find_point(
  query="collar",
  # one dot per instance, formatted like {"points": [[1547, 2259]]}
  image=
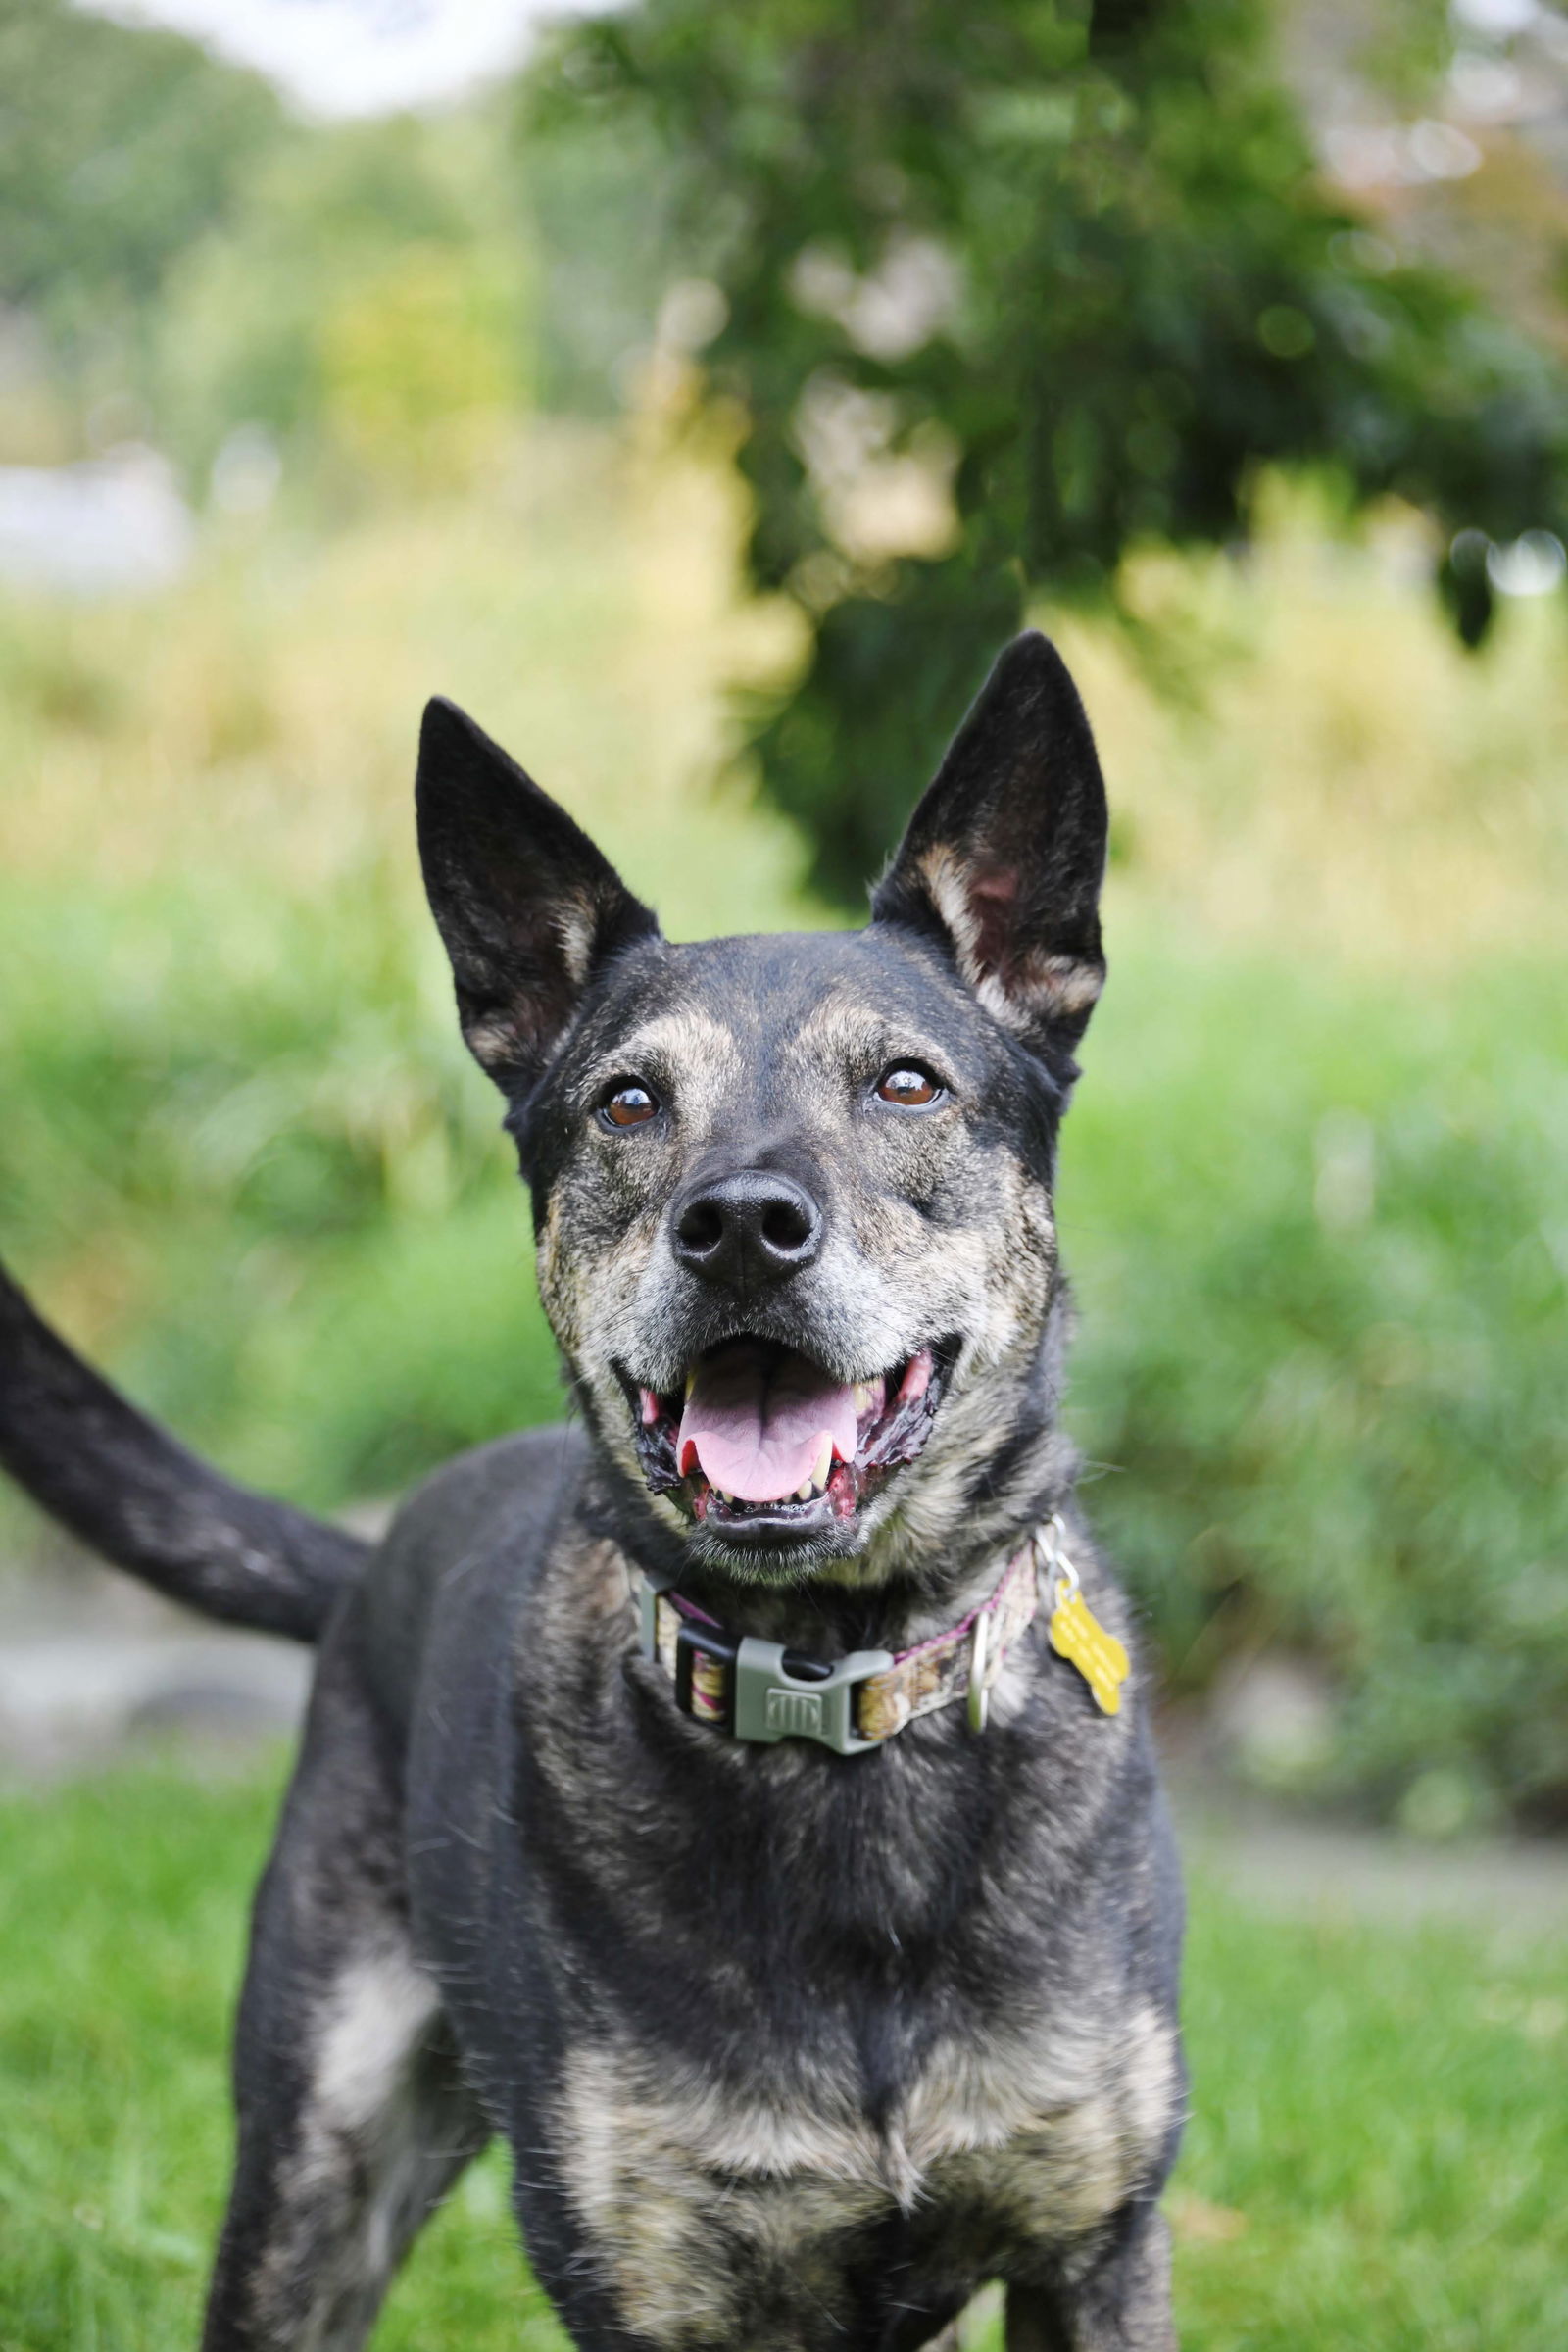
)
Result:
{"points": [[761, 1691]]}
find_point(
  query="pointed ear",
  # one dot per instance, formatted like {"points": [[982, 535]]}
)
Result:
{"points": [[1003, 860], [527, 907]]}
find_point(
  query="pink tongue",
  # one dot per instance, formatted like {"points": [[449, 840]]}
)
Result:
{"points": [[757, 1422]]}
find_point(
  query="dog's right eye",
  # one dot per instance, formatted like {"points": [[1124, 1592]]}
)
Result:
{"points": [[627, 1104]]}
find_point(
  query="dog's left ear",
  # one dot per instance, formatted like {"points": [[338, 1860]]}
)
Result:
{"points": [[527, 907], [1004, 858]]}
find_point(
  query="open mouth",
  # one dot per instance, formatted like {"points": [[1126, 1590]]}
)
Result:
{"points": [[761, 1443]]}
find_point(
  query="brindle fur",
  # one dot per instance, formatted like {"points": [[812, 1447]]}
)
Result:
{"points": [[792, 2050]]}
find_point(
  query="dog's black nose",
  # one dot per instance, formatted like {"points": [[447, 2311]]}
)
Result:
{"points": [[751, 1228]]}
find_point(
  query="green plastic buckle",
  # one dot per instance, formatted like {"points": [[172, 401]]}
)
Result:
{"points": [[771, 1703]]}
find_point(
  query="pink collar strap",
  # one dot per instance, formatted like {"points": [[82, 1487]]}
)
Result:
{"points": [[758, 1690]]}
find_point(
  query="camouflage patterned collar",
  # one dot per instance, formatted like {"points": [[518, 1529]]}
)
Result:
{"points": [[758, 1690]]}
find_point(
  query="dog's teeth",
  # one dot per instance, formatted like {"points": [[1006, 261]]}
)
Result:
{"points": [[691, 1383], [805, 1491], [822, 1466], [862, 1398]]}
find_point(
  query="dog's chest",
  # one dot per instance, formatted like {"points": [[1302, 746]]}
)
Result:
{"points": [[748, 2218]]}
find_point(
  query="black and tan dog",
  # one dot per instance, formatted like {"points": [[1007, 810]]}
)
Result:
{"points": [[736, 1802]]}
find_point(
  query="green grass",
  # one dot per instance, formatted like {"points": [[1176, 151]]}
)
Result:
{"points": [[123, 1914], [1375, 2159]]}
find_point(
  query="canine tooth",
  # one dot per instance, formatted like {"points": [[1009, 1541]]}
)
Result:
{"points": [[805, 1491], [822, 1466], [862, 1396], [691, 1383]]}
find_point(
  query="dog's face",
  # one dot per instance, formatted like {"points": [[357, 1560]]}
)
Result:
{"points": [[792, 1194]]}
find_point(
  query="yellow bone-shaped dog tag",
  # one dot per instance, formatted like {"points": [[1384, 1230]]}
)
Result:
{"points": [[1077, 1635]]}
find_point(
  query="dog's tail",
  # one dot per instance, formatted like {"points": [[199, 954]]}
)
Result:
{"points": [[131, 1492]]}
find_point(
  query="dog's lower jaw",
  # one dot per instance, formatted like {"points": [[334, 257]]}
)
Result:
{"points": [[842, 1497], [916, 1558], [836, 1552]]}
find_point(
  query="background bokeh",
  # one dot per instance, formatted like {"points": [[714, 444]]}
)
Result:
{"points": [[699, 396], [701, 405]]}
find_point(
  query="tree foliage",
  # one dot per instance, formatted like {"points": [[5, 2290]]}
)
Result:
{"points": [[1010, 291], [368, 296], [118, 147]]}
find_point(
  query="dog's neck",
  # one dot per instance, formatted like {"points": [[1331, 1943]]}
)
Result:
{"points": [[829, 1621]]}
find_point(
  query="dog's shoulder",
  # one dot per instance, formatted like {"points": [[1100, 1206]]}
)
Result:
{"points": [[490, 1511], [520, 1476]]}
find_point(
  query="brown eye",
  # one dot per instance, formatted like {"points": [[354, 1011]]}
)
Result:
{"points": [[628, 1107], [908, 1085]]}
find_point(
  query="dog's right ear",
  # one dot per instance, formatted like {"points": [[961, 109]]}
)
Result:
{"points": [[527, 907]]}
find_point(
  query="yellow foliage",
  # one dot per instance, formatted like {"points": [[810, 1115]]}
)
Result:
{"points": [[420, 366]]}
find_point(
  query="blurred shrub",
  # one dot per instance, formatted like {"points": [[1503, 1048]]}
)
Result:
{"points": [[1322, 1252], [368, 302], [419, 375], [255, 1111]]}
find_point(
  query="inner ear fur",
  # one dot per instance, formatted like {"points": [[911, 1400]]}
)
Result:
{"points": [[1004, 858], [528, 908]]}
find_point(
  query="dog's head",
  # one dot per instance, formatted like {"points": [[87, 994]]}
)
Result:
{"points": [[791, 1195]]}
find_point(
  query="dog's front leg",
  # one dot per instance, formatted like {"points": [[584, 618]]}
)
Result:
{"points": [[353, 2117], [1117, 2299]]}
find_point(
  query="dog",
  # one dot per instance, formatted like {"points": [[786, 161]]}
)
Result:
{"points": [[740, 1799]]}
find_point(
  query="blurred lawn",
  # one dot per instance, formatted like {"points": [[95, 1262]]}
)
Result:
{"points": [[1312, 1188], [1376, 2154]]}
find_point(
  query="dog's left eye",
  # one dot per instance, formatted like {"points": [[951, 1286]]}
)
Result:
{"points": [[909, 1086], [628, 1105]]}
